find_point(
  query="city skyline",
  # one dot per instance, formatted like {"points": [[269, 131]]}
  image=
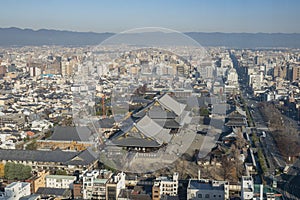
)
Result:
{"points": [[188, 16], [152, 100]]}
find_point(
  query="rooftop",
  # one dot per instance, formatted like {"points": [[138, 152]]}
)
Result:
{"points": [[53, 191], [145, 133], [61, 177], [22, 184], [100, 181], [65, 157], [68, 133], [204, 185]]}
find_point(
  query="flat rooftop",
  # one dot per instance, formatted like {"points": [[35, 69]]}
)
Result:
{"points": [[203, 185]]}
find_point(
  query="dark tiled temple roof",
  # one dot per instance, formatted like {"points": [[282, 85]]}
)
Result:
{"points": [[69, 133], [145, 132], [65, 157]]}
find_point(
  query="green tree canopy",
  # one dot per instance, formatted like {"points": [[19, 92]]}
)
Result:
{"points": [[32, 145], [204, 111], [13, 171], [61, 172]]}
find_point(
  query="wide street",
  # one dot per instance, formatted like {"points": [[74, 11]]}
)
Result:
{"points": [[288, 184]]}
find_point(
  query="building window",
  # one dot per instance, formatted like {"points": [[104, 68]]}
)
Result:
{"points": [[207, 196], [199, 195]]}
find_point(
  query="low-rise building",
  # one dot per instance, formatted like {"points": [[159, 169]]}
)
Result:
{"points": [[16, 121], [37, 180], [58, 193], [135, 193], [206, 189], [51, 160], [60, 181], [114, 186], [247, 187], [94, 184], [164, 186], [68, 138], [16, 190]]}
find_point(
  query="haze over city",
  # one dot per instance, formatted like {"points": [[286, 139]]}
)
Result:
{"points": [[236, 16]]}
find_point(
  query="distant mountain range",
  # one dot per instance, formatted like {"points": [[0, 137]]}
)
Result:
{"points": [[23, 37]]}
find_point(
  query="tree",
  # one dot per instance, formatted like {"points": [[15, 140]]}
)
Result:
{"points": [[13, 171], [1, 170], [240, 141], [61, 172], [32, 145], [195, 155], [226, 169], [141, 90], [238, 164], [48, 134], [204, 112], [261, 160]]}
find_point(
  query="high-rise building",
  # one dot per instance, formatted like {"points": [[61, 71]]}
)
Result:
{"points": [[258, 60], [280, 71], [296, 73], [232, 77], [34, 71], [3, 70]]}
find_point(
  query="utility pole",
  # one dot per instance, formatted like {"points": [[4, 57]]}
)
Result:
{"points": [[103, 106]]}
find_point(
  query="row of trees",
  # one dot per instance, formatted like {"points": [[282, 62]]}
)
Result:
{"points": [[272, 115], [285, 135]]}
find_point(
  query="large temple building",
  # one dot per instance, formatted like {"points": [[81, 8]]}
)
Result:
{"points": [[165, 111], [151, 127], [236, 120]]}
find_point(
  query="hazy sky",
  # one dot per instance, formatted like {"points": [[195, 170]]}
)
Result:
{"points": [[184, 15]]}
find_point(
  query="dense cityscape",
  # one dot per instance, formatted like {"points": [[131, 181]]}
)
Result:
{"points": [[92, 107], [47, 150]]}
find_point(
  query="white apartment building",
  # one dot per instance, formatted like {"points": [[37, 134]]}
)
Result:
{"points": [[232, 77], [60, 181], [247, 187], [206, 189], [15, 190], [94, 184], [164, 186]]}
